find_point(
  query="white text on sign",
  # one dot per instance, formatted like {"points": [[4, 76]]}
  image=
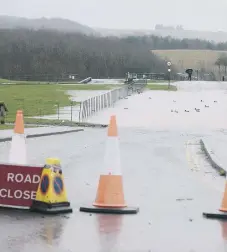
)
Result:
{"points": [[17, 194], [20, 178]]}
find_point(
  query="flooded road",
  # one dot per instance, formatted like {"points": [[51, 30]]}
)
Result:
{"points": [[164, 172]]}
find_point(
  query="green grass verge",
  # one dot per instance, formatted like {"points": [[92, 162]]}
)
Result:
{"points": [[5, 81], [74, 85], [34, 100], [33, 122], [40, 121], [161, 87], [39, 100], [4, 127], [156, 81], [89, 86], [9, 126]]}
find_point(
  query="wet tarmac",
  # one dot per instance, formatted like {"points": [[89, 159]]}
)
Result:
{"points": [[165, 174]]}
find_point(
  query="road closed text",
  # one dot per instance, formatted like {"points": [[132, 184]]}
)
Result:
{"points": [[23, 178], [23, 186], [17, 194]]}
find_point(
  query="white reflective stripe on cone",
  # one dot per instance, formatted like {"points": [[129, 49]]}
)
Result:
{"points": [[112, 163], [18, 153]]}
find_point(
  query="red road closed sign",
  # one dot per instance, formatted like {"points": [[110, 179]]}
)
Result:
{"points": [[18, 185]]}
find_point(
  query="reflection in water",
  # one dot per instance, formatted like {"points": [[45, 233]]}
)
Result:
{"points": [[30, 231], [224, 229], [224, 233], [109, 227], [52, 230]]}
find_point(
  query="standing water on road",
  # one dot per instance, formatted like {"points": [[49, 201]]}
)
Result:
{"points": [[164, 174]]}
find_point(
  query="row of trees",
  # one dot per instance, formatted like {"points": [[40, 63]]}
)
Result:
{"points": [[161, 43], [42, 53], [55, 54]]}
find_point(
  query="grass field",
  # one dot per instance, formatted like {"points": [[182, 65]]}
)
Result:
{"points": [[4, 126], [38, 100], [10, 126], [161, 87], [5, 81], [195, 59], [156, 81]]}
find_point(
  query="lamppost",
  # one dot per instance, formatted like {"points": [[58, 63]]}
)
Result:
{"points": [[169, 71]]}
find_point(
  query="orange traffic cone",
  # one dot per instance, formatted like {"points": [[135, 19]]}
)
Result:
{"points": [[18, 153], [110, 193], [223, 209]]}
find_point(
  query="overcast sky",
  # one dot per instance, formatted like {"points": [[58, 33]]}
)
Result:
{"points": [[142, 14]]}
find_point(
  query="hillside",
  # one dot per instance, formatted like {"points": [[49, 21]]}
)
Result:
{"points": [[59, 24], [178, 34], [65, 25]]}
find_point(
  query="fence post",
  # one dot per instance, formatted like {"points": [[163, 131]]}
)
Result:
{"points": [[105, 99], [58, 108], [99, 103], [71, 111], [86, 109], [80, 111], [95, 104], [92, 105]]}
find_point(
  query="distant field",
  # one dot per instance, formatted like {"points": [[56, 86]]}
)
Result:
{"points": [[195, 59], [161, 87]]}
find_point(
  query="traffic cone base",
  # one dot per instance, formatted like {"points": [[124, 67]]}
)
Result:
{"points": [[223, 209], [218, 215], [51, 194], [107, 210]]}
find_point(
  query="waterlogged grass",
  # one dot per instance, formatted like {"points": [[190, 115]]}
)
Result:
{"points": [[39, 100], [89, 86], [156, 81], [34, 100], [11, 126], [71, 85], [4, 127], [5, 81], [161, 87], [35, 122]]}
